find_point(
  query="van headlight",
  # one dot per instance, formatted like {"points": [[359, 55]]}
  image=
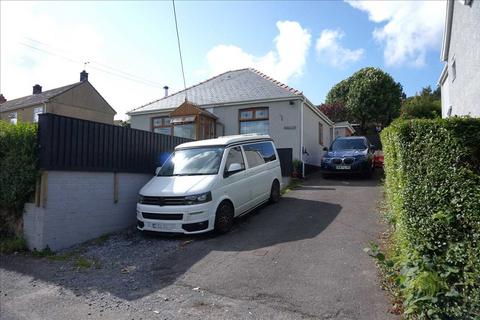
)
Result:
{"points": [[199, 198]]}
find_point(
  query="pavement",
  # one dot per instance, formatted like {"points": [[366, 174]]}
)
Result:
{"points": [[301, 258]]}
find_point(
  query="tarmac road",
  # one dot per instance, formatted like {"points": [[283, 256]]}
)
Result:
{"points": [[301, 258]]}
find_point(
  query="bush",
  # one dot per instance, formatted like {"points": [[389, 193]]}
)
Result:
{"points": [[433, 193], [18, 172]]}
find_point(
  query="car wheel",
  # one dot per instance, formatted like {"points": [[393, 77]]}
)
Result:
{"points": [[224, 217], [275, 192]]}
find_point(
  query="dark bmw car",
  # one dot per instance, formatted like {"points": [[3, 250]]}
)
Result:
{"points": [[349, 155]]}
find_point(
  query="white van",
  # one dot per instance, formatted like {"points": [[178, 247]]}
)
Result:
{"points": [[205, 184]]}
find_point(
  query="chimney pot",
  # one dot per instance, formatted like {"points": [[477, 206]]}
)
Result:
{"points": [[37, 89], [166, 90], [2, 98], [83, 76]]}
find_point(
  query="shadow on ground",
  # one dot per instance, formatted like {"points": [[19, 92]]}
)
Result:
{"points": [[135, 265]]}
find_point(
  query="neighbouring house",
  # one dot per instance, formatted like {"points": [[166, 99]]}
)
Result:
{"points": [[343, 129], [460, 78], [241, 102], [78, 100]]}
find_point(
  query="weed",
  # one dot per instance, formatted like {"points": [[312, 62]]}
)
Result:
{"points": [[12, 244]]}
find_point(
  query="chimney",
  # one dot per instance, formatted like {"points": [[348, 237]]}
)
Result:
{"points": [[83, 76], [166, 90], [37, 89], [2, 99]]}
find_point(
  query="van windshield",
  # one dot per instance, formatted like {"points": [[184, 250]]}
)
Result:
{"points": [[192, 162], [348, 144]]}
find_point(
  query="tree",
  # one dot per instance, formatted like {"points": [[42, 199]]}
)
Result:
{"points": [[370, 96], [339, 92], [335, 111], [425, 104], [373, 97]]}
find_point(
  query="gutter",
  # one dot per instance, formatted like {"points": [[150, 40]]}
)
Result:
{"points": [[448, 31], [301, 136], [214, 105], [443, 75]]}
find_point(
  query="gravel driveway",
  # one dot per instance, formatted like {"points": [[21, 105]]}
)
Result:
{"points": [[301, 258]]}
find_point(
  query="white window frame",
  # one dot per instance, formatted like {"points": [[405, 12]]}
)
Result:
{"points": [[13, 117], [36, 112]]}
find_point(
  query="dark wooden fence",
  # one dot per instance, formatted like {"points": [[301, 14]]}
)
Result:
{"points": [[82, 145], [286, 158]]}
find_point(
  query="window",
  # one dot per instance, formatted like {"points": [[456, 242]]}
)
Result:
{"points": [[235, 156], [320, 133], [449, 112], [162, 125], [13, 117], [254, 120], [259, 153], [36, 112], [192, 162], [349, 144], [454, 69], [185, 130]]}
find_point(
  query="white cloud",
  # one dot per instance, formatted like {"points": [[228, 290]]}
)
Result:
{"points": [[287, 61], [330, 51], [411, 28], [27, 27]]}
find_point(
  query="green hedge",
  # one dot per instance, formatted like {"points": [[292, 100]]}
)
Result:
{"points": [[18, 172], [433, 193]]}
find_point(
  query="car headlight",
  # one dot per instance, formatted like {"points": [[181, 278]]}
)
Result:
{"points": [[361, 158], [327, 160], [198, 198], [140, 198]]}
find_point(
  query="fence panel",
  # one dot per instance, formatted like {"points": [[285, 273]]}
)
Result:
{"points": [[82, 145]]}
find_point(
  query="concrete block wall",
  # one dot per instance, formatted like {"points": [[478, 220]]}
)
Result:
{"points": [[80, 206]]}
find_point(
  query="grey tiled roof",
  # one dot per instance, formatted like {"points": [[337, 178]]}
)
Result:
{"points": [[232, 86], [35, 98]]}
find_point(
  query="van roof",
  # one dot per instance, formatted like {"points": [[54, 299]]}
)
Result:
{"points": [[223, 141]]}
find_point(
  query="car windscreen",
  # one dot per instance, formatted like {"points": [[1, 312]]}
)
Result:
{"points": [[191, 162], [349, 144]]}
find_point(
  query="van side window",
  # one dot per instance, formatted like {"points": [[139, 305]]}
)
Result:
{"points": [[235, 156], [259, 153]]}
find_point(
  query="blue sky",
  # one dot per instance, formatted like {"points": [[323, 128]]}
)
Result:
{"points": [[308, 45]]}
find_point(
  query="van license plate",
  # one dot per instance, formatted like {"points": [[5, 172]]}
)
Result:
{"points": [[343, 167], [163, 226]]}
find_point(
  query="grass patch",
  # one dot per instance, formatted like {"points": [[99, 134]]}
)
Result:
{"points": [[87, 263], [79, 261], [294, 183], [102, 239], [12, 244]]}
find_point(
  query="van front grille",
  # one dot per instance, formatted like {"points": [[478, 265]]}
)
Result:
{"points": [[163, 201]]}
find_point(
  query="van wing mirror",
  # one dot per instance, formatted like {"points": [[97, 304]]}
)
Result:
{"points": [[157, 170], [233, 168]]}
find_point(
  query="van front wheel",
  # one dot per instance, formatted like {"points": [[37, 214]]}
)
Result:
{"points": [[224, 217], [275, 192]]}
